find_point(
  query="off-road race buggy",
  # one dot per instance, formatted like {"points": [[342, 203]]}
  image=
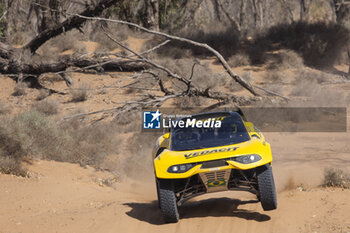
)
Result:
{"points": [[191, 161]]}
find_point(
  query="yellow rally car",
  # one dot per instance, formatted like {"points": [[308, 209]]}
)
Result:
{"points": [[212, 152]]}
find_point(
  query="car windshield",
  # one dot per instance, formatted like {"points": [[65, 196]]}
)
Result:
{"points": [[232, 131]]}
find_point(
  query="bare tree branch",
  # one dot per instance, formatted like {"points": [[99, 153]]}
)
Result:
{"points": [[271, 92], [72, 22], [228, 69], [191, 89]]}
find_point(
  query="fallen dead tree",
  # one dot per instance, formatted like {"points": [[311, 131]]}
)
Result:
{"points": [[16, 61], [12, 61]]}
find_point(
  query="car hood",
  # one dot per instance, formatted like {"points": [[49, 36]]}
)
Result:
{"points": [[253, 146]]}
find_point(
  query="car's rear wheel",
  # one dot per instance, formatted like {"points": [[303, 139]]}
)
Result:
{"points": [[167, 201], [267, 189]]}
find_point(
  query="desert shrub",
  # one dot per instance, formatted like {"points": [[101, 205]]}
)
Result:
{"points": [[20, 89], [239, 59], [88, 144], [80, 93], [319, 77], [68, 41], [188, 102], [9, 165], [35, 135], [4, 109], [320, 44], [105, 43], [128, 122], [291, 59], [43, 93], [11, 150], [287, 60], [334, 177], [46, 106], [274, 76], [224, 40], [203, 76]]}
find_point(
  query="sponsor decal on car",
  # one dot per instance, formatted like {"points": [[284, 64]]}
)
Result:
{"points": [[206, 152]]}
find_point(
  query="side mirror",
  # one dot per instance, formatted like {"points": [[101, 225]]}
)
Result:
{"points": [[166, 136]]}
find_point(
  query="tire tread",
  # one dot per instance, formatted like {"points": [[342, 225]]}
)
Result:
{"points": [[267, 189], [167, 201]]}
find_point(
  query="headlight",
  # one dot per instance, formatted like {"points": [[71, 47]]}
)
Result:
{"points": [[246, 159], [181, 168]]}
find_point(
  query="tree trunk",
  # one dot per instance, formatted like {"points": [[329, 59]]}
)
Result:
{"points": [[152, 14], [349, 58], [242, 13], [302, 10], [73, 22], [7, 67]]}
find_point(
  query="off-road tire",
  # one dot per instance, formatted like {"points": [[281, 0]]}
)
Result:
{"points": [[267, 189], [157, 187], [167, 201]]}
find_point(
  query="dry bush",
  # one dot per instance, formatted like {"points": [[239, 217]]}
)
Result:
{"points": [[128, 122], [4, 109], [11, 150], [291, 59], [64, 42], [9, 165], [274, 76], [320, 44], [120, 33], [319, 77], [88, 144], [20, 89], [239, 59], [35, 135], [225, 40], [334, 177], [287, 60], [43, 93], [80, 93], [46, 106], [203, 76], [189, 102]]}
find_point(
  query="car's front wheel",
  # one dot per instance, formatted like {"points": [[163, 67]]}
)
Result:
{"points": [[167, 201], [266, 186]]}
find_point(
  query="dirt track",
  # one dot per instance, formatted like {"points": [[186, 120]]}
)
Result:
{"points": [[63, 197]]}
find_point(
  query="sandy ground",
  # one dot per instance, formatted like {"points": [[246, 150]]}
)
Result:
{"points": [[62, 197]]}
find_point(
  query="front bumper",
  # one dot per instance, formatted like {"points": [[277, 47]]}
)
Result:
{"points": [[202, 167]]}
